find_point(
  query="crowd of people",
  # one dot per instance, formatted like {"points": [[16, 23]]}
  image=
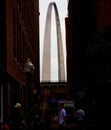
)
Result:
{"points": [[42, 116]]}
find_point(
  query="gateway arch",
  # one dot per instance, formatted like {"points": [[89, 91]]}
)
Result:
{"points": [[46, 60]]}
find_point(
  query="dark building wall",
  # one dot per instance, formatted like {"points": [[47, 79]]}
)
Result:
{"points": [[86, 18], [82, 21], [3, 33], [103, 11], [23, 41], [19, 29], [68, 58]]}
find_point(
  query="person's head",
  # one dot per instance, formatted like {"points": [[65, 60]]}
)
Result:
{"points": [[61, 105], [18, 105]]}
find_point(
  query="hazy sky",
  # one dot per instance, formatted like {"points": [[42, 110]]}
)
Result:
{"points": [[62, 9]]}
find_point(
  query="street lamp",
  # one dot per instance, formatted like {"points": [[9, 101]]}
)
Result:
{"points": [[29, 67], [29, 70]]}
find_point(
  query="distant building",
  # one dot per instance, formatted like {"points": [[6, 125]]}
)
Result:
{"points": [[58, 88]]}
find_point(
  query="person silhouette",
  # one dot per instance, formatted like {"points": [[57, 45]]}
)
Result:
{"points": [[17, 118], [61, 116], [80, 113]]}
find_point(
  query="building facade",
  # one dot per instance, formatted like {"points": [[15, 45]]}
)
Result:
{"points": [[87, 21], [19, 28], [58, 88]]}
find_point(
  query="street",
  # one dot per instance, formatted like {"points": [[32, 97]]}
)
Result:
{"points": [[75, 127]]}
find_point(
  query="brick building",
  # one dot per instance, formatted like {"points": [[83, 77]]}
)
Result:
{"points": [[19, 29], [85, 19]]}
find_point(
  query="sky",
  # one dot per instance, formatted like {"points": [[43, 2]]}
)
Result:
{"points": [[62, 9]]}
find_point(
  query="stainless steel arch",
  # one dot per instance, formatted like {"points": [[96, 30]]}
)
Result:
{"points": [[46, 61]]}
